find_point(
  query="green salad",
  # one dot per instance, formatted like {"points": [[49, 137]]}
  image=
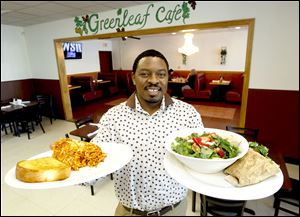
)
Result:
{"points": [[206, 146], [263, 150]]}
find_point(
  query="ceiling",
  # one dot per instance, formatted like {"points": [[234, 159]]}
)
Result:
{"points": [[26, 13]]}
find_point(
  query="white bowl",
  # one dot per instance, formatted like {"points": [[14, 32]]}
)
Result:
{"points": [[208, 165]]}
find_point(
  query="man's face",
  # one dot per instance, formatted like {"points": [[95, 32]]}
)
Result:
{"points": [[151, 79]]}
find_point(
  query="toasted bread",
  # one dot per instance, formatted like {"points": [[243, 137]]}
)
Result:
{"points": [[45, 169]]}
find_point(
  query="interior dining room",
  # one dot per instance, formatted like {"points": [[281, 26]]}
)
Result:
{"points": [[73, 61]]}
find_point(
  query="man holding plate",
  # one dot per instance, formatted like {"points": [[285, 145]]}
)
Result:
{"points": [[143, 122]]}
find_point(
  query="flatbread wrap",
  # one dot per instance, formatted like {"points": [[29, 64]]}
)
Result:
{"points": [[251, 169]]}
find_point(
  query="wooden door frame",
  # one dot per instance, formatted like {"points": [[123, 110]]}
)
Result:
{"points": [[201, 26]]}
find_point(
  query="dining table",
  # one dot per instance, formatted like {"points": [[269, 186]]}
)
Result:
{"points": [[13, 111], [219, 88], [176, 86], [13, 106]]}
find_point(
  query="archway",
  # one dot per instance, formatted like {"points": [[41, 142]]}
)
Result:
{"points": [[214, 25]]}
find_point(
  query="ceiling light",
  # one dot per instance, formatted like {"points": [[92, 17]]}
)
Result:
{"points": [[188, 48]]}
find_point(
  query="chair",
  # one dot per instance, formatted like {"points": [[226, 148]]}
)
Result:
{"points": [[6, 121], [79, 123], [216, 206], [289, 197], [249, 133], [220, 207], [83, 121], [46, 106], [92, 186], [25, 120]]}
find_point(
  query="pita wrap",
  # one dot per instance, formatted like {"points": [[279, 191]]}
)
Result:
{"points": [[251, 169]]}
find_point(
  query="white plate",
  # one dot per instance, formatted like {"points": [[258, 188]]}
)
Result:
{"points": [[118, 155], [215, 185]]}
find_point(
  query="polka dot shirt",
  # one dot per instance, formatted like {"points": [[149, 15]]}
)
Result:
{"points": [[143, 183]]}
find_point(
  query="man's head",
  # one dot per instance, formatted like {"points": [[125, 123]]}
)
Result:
{"points": [[193, 71], [150, 75], [148, 53]]}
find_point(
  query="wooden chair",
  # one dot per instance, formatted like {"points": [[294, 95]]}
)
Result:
{"points": [[249, 133], [83, 121], [92, 186], [216, 206], [288, 197], [78, 123]]}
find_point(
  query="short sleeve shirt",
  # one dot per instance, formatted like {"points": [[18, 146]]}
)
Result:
{"points": [[143, 183]]}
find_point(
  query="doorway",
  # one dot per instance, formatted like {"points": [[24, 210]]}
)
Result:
{"points": [[214, 25], [105, 61]]}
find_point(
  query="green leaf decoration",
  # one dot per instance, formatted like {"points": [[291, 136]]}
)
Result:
{"points": [[185, 10], [78, 30], [119, 11], [84, 29]]}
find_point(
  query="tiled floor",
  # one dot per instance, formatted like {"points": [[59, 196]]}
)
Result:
{"points": [[73, 200]]}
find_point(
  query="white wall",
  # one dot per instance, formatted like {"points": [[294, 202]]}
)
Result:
{"points": [[14, 56], [208, 57], [90, 57], [275, 51]]}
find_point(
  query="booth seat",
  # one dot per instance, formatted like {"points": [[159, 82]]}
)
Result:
{"points": [[129, 84], [234, 93], [200, 91], [111, 76], [87, 91]]}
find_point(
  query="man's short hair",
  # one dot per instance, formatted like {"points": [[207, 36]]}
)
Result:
{"points": [[149, 53]]}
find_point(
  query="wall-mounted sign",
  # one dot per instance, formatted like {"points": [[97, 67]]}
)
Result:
{"points": [[92, 24], [72, 50]]}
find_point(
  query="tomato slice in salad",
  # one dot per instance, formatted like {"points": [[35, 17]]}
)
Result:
{"points": [[221, 152], [200, 141]]}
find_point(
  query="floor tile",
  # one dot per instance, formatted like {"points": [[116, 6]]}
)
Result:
{"points": [[75, 200]]}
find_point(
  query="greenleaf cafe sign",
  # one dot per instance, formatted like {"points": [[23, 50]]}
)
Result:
{"points": [[92, 24]]}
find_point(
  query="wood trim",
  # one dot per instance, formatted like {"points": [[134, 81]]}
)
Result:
{"points": [[63, 81], [212, 25], [247, 73]]}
